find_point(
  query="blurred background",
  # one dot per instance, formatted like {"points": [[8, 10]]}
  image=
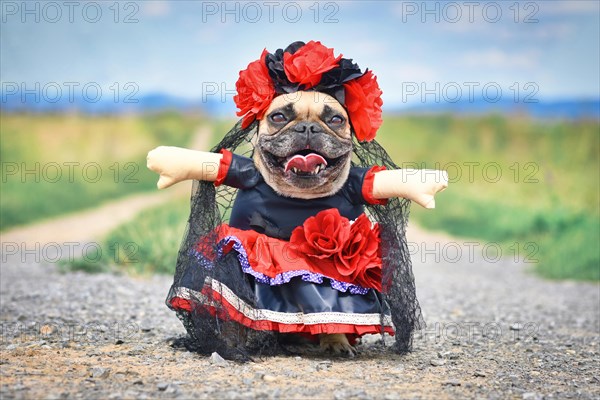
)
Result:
{"points": [[503, 95]]}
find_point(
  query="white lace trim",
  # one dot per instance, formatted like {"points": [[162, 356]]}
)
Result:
{"points": [[276, 316]]}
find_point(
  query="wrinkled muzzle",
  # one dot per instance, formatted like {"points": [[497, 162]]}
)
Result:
{"points": [[305, 156]]}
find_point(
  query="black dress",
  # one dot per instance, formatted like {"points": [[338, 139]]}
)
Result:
{"points": [[306, 293]]}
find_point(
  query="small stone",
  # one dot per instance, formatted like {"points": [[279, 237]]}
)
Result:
{"points": [[479, 374], [119, 341], [47, 330], [11, 347], [398, 370], [451, 382], [323, 365], [138, 382], [269, 378], [451, 355], [437, 362], [531, 396], [297, 358], [132, 394], [172, 389], [99, 372], [162, 386], [216, 359]]}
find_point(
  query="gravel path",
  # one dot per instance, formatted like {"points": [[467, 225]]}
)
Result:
{"points": [[494, 331]]}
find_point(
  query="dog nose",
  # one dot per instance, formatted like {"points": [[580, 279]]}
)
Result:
{"points": [[308, 127]]}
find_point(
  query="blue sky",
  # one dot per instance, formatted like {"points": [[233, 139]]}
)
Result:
{"points": [[180, 47]]}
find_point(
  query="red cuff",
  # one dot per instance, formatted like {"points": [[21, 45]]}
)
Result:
{"points": [[223, 167], [367, 187]]}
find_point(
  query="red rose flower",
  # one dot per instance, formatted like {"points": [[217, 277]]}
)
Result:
{"points": [[307, 65], [254, 91], [363, 102], [341, 250], [360, 259], [369, 262], [321, 236]]}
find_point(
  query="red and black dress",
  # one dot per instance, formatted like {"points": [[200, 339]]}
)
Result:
{"points": [[309, 266]]}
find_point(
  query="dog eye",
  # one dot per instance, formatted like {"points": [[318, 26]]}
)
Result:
{"points": [[278, 118], [336, 120]]}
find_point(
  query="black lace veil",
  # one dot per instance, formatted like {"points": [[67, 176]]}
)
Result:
{"points": [[208, 323]]}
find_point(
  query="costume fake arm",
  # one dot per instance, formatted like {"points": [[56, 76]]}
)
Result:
{"points": [[418, 185], [175, 164]]}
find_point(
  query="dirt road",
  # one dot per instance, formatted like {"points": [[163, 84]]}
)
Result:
{"points": [[494, 331]]}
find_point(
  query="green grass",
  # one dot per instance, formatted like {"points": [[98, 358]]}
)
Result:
{"points": [[146, 245], [543, 209], [53, 164], [559, 243], [151, 242], [547, 215]]}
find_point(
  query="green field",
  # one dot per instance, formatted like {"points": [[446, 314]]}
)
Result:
{"points": [[529, 186], [146, 245], [53, 164]]}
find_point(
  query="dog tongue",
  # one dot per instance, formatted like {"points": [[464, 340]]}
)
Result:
{"points": [[306, 163]]}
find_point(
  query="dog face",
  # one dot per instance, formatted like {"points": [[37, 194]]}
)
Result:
{"points": [[304, 145]]}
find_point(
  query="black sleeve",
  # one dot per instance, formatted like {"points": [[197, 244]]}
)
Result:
{"points": [[359, 186], [353, 187], [242, 173]]}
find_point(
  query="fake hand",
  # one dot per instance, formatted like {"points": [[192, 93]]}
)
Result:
{"points": [[418, 185], [175, 164]]}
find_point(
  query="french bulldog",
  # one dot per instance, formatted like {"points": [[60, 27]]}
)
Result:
{"points": [[304, 145], [304, 149]]}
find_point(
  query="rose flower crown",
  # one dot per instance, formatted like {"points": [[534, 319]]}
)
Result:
{"points": [[310, 66]]}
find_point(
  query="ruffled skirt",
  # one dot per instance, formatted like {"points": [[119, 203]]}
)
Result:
{"points": [[263, 284]]}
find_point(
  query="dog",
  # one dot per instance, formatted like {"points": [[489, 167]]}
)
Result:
{"points": [[300, 192], [304, 150], [304, 145]]}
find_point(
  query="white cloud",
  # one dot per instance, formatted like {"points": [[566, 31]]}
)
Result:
{"points": [[495, 58], [415, 73], [464, 26], [533, 32], [571, 7], [393, 75], [209, 34], [365, 49], [155, 8], [547, 30], [553, 31]]}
